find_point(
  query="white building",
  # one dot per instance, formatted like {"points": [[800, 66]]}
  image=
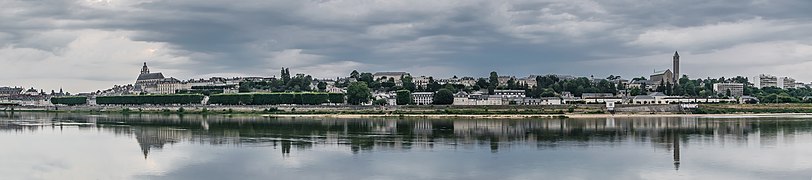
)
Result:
{"points": [[736, 89], [509, 93], [764, 80], [476, 99], [468, 81], [786, 82], [503, 80], [384, 76], [542, 101], [423, 98], [660, 98], [529, 81], [421, 81]]}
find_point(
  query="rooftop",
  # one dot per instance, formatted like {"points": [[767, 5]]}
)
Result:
{"points": [[150, 76]]}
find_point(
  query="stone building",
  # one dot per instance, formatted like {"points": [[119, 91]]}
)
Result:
{"points": [[146, 80]]}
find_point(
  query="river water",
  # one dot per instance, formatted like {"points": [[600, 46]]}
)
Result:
{"points": [[84, 146]]}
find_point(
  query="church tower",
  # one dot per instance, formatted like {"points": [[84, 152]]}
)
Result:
{"points": [[675, 68], [145, 69]]}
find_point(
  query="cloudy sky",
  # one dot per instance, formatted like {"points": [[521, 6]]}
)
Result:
{"points": [[85, 45]]}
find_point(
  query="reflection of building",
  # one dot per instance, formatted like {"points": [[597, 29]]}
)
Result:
{"points": [[149, 138]]}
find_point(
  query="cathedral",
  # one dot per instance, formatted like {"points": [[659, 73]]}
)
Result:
{"points": [[147, 80]]}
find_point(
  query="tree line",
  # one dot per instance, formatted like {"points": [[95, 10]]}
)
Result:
{"points": [[69, 100], [276, 98], [151, 99]]}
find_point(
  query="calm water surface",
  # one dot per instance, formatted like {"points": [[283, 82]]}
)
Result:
{"points": [[82, 146]]}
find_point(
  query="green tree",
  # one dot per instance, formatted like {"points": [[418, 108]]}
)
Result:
{"points": [[481, 83], [404, 97], [380, 102], [511, 84], [322, 86], [285, 75], [358, 93], [635, 91], [366, 77], [355, 75], [408, 83], [443, 97], [433, 85], [493, 82], [548, 92]]}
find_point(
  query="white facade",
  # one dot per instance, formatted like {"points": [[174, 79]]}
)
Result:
{"points": [[529, 81], [468, 81], [423, 98], [483, 101], [509, 93], [676, 100], [542, 101], [602, 100], [764, 80], [786, 82], [421, 81], [736, 89]]}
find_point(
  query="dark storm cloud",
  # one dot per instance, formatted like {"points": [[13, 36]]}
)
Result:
{"points": [[441, 38]]}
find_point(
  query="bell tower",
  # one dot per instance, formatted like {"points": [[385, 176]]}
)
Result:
{"points": [[145, 69], [676, 67]]}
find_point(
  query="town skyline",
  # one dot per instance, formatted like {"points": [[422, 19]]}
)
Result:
{"points": [[274, 74]]}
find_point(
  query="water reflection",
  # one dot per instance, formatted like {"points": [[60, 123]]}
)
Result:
{"points": [[155, 132]]}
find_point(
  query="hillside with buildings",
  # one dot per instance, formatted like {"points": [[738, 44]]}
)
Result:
{"points": [[667, 86]]}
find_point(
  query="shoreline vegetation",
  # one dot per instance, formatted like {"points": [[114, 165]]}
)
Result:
{"points": [[562, 111]]}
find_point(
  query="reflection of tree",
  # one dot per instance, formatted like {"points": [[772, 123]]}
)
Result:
{"points": [[359, 135]]}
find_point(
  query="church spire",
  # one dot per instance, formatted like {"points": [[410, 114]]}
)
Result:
{"points": [[675, 68], [145, 69]]}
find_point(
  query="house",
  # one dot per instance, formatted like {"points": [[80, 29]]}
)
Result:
{"points": [[423, 98], [387, 75], [660, 98], [542, 101], [468, 81], [503, 80], [509, 93], [476, 99], [736, 89]]}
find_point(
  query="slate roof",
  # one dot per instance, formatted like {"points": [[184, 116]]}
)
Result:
{"points": [[150, 76], [643, 97], [390, 74], [657, 94]]}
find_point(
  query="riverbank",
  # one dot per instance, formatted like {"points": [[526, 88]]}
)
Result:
{"points": [[466, 112], [521, 116]]}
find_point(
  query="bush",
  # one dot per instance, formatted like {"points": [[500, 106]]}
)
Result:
{"points": [[337, 98], [231, 99], [380, 102], [151, 99], [70, 100]]}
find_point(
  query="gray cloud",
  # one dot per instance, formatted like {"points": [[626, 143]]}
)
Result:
{"points": [[442, 38]]}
